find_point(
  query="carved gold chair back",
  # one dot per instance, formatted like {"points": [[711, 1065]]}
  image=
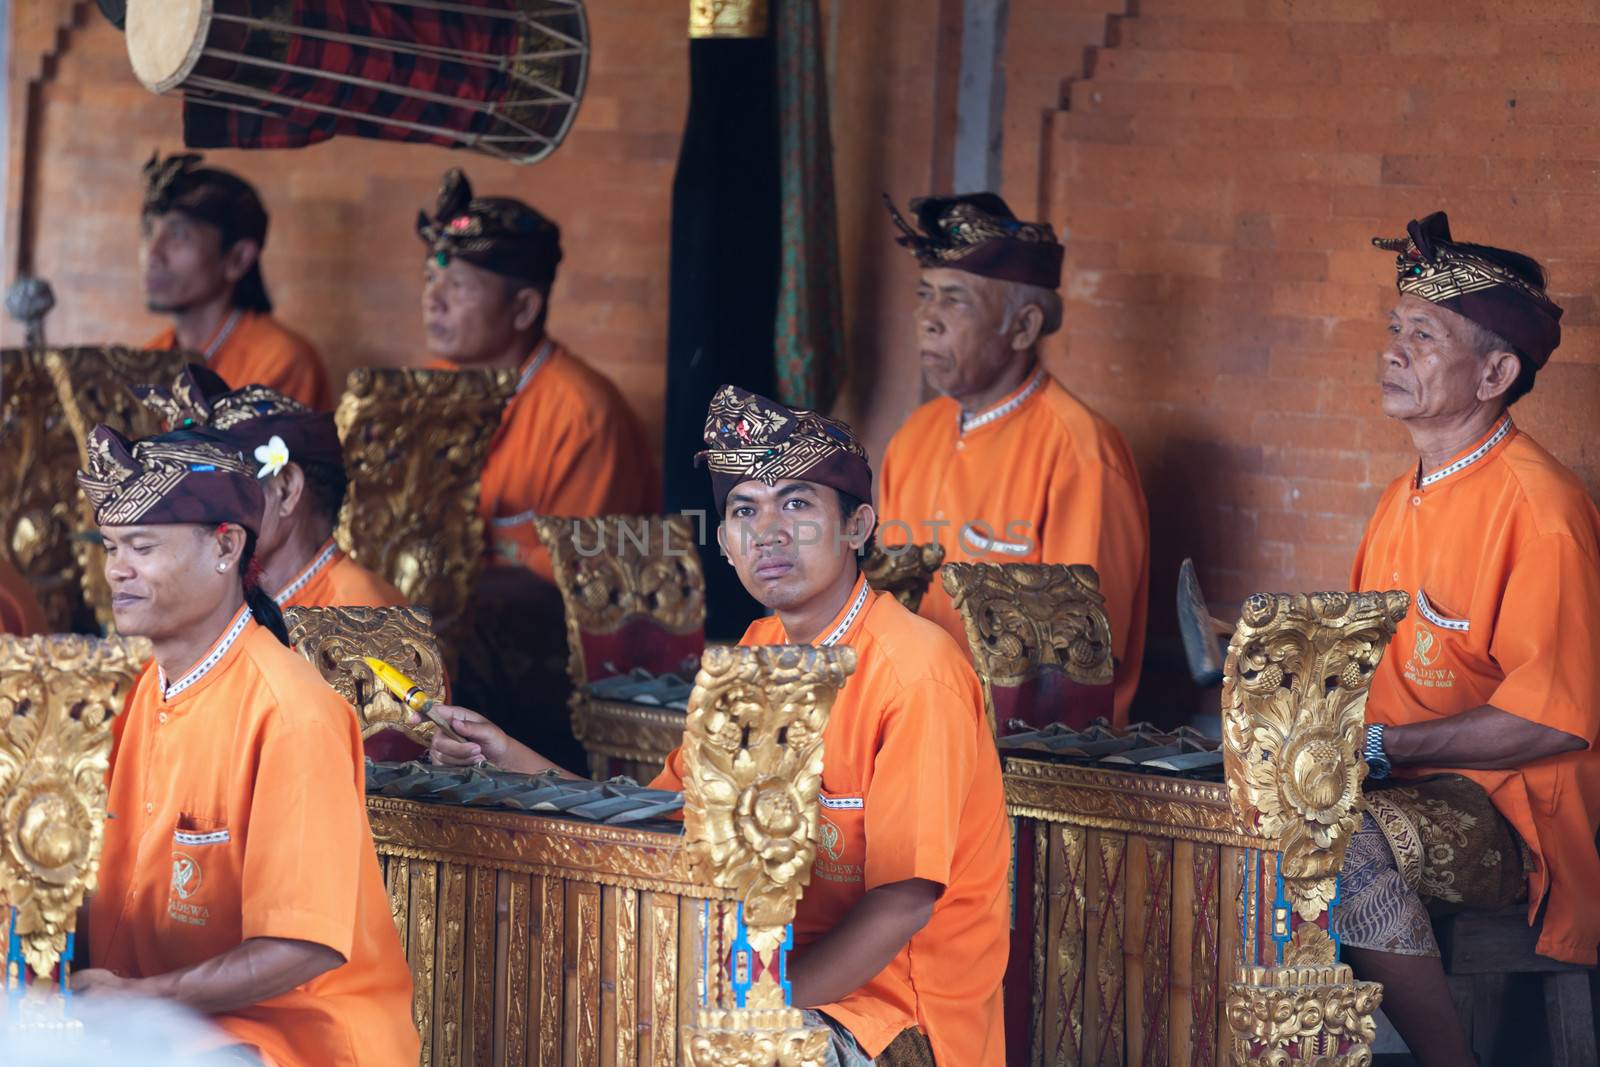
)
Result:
{"points": [[93, 385], [58, 695], [38, 488], [415, 442], [1039, 638], [904, 571], [336, 642], [634, 596]]}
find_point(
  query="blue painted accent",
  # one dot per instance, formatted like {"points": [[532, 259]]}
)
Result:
{"points": [[201, 468], [14, 958], [1338, 893], [1280, 912], [62, 967], [741, 978], [783, 965]]}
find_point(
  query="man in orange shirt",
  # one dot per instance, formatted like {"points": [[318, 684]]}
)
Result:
{"points": [[1492, 676], [1007, 466], [238, 875], [901, 935], [568, 444], [203, 231], [20, 614], [300, 463]]}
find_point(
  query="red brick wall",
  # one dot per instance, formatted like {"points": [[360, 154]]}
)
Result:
{"points": [[1219, 178]]}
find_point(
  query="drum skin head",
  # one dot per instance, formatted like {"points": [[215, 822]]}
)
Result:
{"points": [[165, 39]]}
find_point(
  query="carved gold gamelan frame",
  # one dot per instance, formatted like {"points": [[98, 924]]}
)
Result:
{"points": [[1172, 912], [610, 570], [904, 571], [415, 442], [38, 487], [1024, 618], [58, 695], [336, 640]]}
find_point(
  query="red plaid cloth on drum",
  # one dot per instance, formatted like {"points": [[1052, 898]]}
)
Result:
{"points": [[309, 44]]}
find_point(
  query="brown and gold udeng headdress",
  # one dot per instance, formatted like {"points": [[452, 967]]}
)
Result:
{"points": [[172, 479], [751, 438], [1500, 290], [248, 417], [980, 235], [492, 232]]}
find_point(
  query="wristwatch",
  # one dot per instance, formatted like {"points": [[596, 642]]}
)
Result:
{"points": [[1377, 759]]}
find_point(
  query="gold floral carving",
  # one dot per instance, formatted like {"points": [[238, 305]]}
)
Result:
{"points": [[336, 640], [1310, 947], [1022, 618], [904, 572], [619, 567], [1293, 706], [58, 696], [38, 487], [415, 442], [753, 771], [727, 18], [1309, 1015], [752, 776], [94, 386]]}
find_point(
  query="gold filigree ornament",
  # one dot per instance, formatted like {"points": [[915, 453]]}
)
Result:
{"points": [[337, 641], [58, 695], [1305, 1016], [752, 775], [1293, 710], [902, 571], [1023, 616], [753, 771]]}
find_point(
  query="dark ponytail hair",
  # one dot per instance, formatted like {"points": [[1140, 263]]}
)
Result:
{"points": [[260, 602]]}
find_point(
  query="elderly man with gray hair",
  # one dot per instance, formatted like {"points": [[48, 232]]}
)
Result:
{"points": [[1006, 465]]}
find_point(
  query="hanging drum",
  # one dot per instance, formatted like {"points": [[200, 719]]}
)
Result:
{"points": [[503, 77]]}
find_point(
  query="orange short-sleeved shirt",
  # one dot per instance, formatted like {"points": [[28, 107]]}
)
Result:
{"points": [[256, 349], [910, 789], [1039, 478], [568, 445], [334, 580], [1500, 551], [20, 613], [237, 810]]}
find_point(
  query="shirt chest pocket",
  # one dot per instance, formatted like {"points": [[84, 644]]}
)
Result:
{"points": [[207, 862], [842, 837]]}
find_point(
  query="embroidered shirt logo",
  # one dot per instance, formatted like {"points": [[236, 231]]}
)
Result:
{"points": [[187, 878], [831, 843], [1425, 651]]}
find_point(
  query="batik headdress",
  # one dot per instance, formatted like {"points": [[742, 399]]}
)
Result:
{"points": [[493, 232], [249, 418], [1477, 282], [751, 438], [980, 235], [163, 481]]}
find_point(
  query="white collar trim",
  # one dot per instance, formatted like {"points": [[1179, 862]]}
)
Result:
{"points": [[1470, 458], [222, 334], [539, 360], [850, 617], [306, 575], [205, 665], [967, 423]]}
